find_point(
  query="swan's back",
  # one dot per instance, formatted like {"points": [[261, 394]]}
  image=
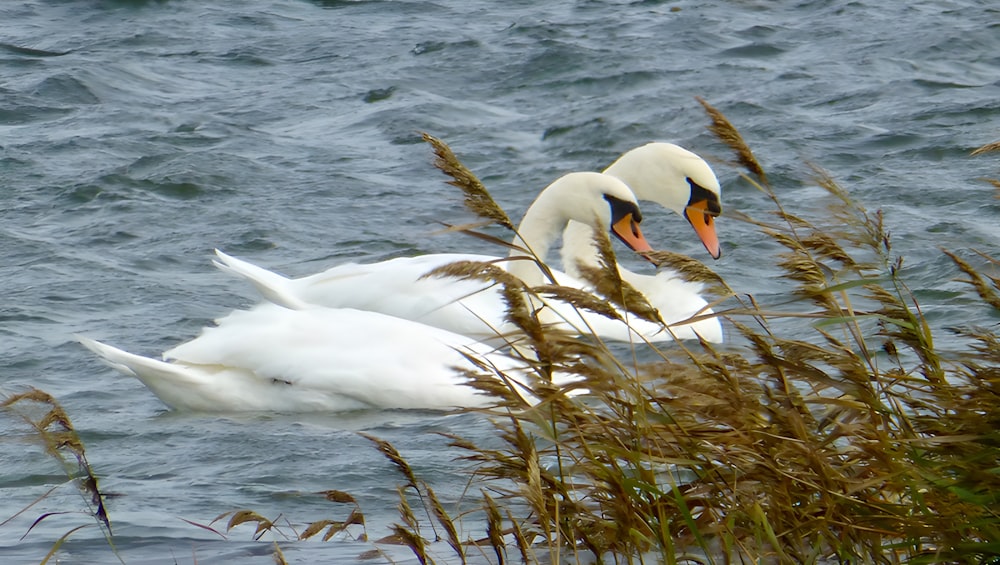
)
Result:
{"points": [[365, 357], [272, 358]]}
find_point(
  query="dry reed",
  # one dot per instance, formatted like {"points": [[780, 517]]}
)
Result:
{"points": [[53, 427], [856, 441]]}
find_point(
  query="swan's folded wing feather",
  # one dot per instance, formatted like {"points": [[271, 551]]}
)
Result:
{"points": [[372, 358]]}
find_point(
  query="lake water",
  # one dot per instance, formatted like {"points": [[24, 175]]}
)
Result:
{"points": [[137, 136]]}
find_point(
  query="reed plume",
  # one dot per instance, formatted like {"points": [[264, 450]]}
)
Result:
{"points": [[477, 198]]}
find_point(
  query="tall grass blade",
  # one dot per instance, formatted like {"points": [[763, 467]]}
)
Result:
{"points": [[995, 146], [724, 130], [59, 542], [60, 439], [477, 198]]}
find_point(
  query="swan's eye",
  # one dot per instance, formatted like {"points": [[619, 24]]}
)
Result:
{"points": [[702, 194], [620, 208]]}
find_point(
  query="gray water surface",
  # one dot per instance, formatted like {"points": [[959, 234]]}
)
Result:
{"points": [[137, 136]]}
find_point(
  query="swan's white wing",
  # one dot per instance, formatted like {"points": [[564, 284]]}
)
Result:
{"points": [[363, 357], [396, 287], [677, 300]]}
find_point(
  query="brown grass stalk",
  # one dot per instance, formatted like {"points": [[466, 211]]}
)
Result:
{"points": [[53, 427]]}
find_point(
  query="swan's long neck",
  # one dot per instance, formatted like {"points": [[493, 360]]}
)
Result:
{"points": [[538, 231], [578, 247]]}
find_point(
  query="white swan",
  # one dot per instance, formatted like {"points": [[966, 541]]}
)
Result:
{"points": [[272, 358], [681, 181], [661, 172], [676, 179]]}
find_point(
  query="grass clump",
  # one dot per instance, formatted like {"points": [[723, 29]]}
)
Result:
{"points": [[989, 148], [856, 438], [53, 428], [832, 427]]}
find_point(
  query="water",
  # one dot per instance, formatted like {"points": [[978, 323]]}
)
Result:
{"points": [[138, 135]]}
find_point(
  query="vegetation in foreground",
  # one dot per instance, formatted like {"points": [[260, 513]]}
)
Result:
{"points": [[856, 439]]}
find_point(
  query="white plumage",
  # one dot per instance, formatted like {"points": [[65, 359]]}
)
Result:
{"points": [[659, 172], [333, 359]]}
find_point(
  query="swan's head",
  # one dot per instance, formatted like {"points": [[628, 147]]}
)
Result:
{"points": [[600, 201], [676, 179]]}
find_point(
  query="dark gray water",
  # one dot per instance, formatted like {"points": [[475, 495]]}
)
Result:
{"points": [[137, 136]]}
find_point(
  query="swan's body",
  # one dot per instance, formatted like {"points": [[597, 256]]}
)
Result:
{"points": [[333, 359], [271, 358], [469, 307], [664, 173], [393, 287]]}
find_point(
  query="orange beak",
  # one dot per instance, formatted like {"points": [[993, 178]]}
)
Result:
{"points": [[704, 225], [628, 231]]}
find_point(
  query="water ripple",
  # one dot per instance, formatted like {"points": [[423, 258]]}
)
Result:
{"points": [[29, 52]]}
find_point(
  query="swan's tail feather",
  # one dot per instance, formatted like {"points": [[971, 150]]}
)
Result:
{"points": [[272, 286], [152, 372]]}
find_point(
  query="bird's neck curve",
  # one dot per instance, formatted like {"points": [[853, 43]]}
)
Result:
{"points": [[538, 231]]}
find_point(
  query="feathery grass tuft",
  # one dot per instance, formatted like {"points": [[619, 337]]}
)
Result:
{"points": [[334, 527], [392, 455], [988, 292], [606, 282], [724, 130], [854, 440], [995, 146], [477, 198], [238, 517], [54, 428], [990, 147], [690, 270]]}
